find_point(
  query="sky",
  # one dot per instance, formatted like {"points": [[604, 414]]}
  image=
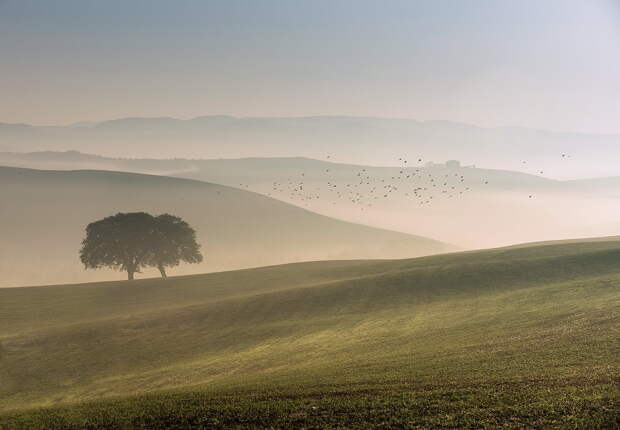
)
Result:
{"points": [[549, 64]]}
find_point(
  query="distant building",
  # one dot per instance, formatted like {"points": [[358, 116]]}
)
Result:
{"points": [[450, 164]]}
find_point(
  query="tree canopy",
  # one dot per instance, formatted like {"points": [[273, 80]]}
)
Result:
{"points": [[173, 241], [132, 241]]}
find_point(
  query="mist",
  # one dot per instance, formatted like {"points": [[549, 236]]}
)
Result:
{"points": [[460, 207], [356, 140], [44, 225]]}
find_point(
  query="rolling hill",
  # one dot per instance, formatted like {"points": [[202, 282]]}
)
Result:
{"points": [[44, 223], [359, 140], [471, 207], [522, 337]]}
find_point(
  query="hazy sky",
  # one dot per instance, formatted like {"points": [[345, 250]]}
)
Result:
{"points": [[542, 63]]}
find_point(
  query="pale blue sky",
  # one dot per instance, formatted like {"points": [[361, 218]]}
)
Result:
{"points": [[551, 64]]}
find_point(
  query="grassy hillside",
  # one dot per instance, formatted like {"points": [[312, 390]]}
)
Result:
{"points": [[44, 223], [501, 338]]}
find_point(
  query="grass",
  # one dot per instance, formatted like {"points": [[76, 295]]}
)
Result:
{"points": [[513, 337]]}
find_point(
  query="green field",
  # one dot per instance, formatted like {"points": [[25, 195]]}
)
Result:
{"points": [[514, 337]]}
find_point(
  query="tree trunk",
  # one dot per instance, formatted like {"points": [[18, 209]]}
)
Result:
{"points": [[162, 270]]}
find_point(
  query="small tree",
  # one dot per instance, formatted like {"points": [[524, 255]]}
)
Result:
{"points": [[173, 241], [131, 241]]}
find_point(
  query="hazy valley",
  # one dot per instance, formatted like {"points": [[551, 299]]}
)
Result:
{"points": [[310, 214], [357, 140], [44, 224], [455, 204]]}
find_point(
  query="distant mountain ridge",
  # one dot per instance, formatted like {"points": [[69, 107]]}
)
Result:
{"points": [[359, 140]]}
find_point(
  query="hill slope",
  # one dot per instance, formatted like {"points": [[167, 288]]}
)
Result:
{"points": [[43, 224], [472, 207], [507, 337]]}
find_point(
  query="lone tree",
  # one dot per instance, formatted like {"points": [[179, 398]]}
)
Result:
{"points": [[131, 241]]}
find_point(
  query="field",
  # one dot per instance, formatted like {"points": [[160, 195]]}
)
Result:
{"points": [[507, 338]]}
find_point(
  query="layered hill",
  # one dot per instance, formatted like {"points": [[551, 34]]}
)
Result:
{"points": [[471, 206], [360, 140], [511, 337], [44, 215]]}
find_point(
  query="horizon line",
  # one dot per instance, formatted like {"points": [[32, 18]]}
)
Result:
{"points": [[85, 124]]}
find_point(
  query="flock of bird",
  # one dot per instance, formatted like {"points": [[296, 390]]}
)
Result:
{"points": [[367, 187]]}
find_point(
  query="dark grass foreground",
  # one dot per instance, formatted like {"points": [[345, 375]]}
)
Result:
{"points": [[520, 405]]}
